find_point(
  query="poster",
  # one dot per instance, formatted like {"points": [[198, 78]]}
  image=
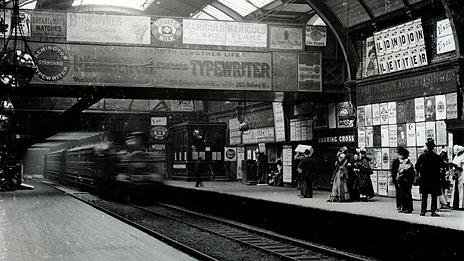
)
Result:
{"points": [[48, 25], [240, 159], [211, 69], [385, 131], [361, 116], [440, 107], [451, 106], [420, 134], [310, 72], [362, 137], [242, 34], [286, 38], [430, 130], [385, 158], [99, 28], [316, 35], [376, 114], [287, 160], [382, 183], [400, 112], [332, 116], [374, 178], [392, 112], [235, 135], [166, 32], [384, 113], [441, 133], [410, 110], [445, 38], [378, 158], [24, 24], [411, 134], [412, 154], [369, 137], [419, 105], [284, 73], [230, 154], [320, 116], [370, 59], [391, 190], [402, 136], [430, 108], [279, 122], [393, 135], [368, 114], [415, 193], [345, 115], [377, 132]]}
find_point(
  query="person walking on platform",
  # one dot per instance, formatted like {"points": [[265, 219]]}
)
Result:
{"points": [[307, 168], [428, 166], [394, 174], [457, 197], [405, 179], [339, 191], [365, 188]]}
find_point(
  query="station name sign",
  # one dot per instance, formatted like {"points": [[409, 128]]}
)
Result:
{"points": [[337, 139]]}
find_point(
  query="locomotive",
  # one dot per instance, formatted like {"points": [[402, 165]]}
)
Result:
{"points": [[111, 169]]}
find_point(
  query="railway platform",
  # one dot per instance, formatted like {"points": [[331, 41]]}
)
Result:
{"points": [[372, 228], [47, 224]]}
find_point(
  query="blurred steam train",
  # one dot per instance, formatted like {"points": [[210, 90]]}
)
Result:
{"points": [[110, 168]]}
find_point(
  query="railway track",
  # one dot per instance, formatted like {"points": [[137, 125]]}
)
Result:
{"points": [[281, 247]]}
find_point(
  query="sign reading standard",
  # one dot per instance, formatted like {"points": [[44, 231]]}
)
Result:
{"points": [[208, 69]]}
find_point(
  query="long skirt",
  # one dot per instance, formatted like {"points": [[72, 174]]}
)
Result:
{"points": [[457, 195], [339, 189]]}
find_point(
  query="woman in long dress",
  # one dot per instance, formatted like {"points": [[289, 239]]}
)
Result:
{"points": [[457, 197], [339, 180]]}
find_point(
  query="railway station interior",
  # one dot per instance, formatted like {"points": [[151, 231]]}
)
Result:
{"points": [[209, 106]]}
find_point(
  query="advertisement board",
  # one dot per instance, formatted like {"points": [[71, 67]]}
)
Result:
{"points": [[285, 38], [48, 26], [99, 28], [24, 24], [310, 72], [316, 35]]}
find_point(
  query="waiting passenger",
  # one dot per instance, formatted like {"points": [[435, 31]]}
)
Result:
{"points": [[365, 189], [276, 178], [307, 169], [339, 180], [457, 197], [405, 179]]}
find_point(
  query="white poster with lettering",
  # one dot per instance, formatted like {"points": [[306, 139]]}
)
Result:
{"points": [[441, 133], [362, 137], [368, 114], [246, 34], [411, 134], [420, 134], [430, 130], [375, 114], [445, 38], [392, 112], [384, 133], [420, 110], [393, 135], [384, 113], [440, 107], [204, 32], [99, 28], [369, 137]]}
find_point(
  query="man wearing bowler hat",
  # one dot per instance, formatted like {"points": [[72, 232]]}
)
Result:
{"points": [[428, 166]]}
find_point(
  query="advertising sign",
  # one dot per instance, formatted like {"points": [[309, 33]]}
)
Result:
{"points": [[362, 137], [345, 115], [286, 38], [384, 113], [411, 134], [316, 35], [420, 112], [158, 121], [310, 72], [209, 69], [440, 106], [246, 34], [385, 132], [393, 135], [451, 106], [368, 114], [284, 73], [48, 25], [279, 123], [230, 154], [287, 162], [391, 112], [369, 136], [166, 31], [429, 108], [441, 133], [98, 28], [370, 59], [235, 135], [375, 114], [420, 134], [445, 38], [24, 25]]}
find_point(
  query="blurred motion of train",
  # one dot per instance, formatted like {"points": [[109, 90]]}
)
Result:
{"points": [[111, 168]]}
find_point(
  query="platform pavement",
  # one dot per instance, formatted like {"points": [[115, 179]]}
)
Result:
{"points": [[47, 224], [379, 206]]}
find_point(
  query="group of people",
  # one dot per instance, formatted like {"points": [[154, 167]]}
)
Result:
{"points": [[431, 173], [351, 179]]}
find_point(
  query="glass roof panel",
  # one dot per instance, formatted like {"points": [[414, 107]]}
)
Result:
{"points": [[261, 3], [216, 13], [348, 12], [242, 7], [28, 4], [202, 15], [135, 4], [316, 20]]}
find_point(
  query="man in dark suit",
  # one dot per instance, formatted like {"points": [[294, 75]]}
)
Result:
{"points": [[307, 168], [428, 165]]}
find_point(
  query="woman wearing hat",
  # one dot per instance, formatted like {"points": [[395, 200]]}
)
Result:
{"points": [[457, 197]]}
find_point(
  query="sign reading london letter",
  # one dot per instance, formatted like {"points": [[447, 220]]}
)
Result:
{"points": [[208, 69]]}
